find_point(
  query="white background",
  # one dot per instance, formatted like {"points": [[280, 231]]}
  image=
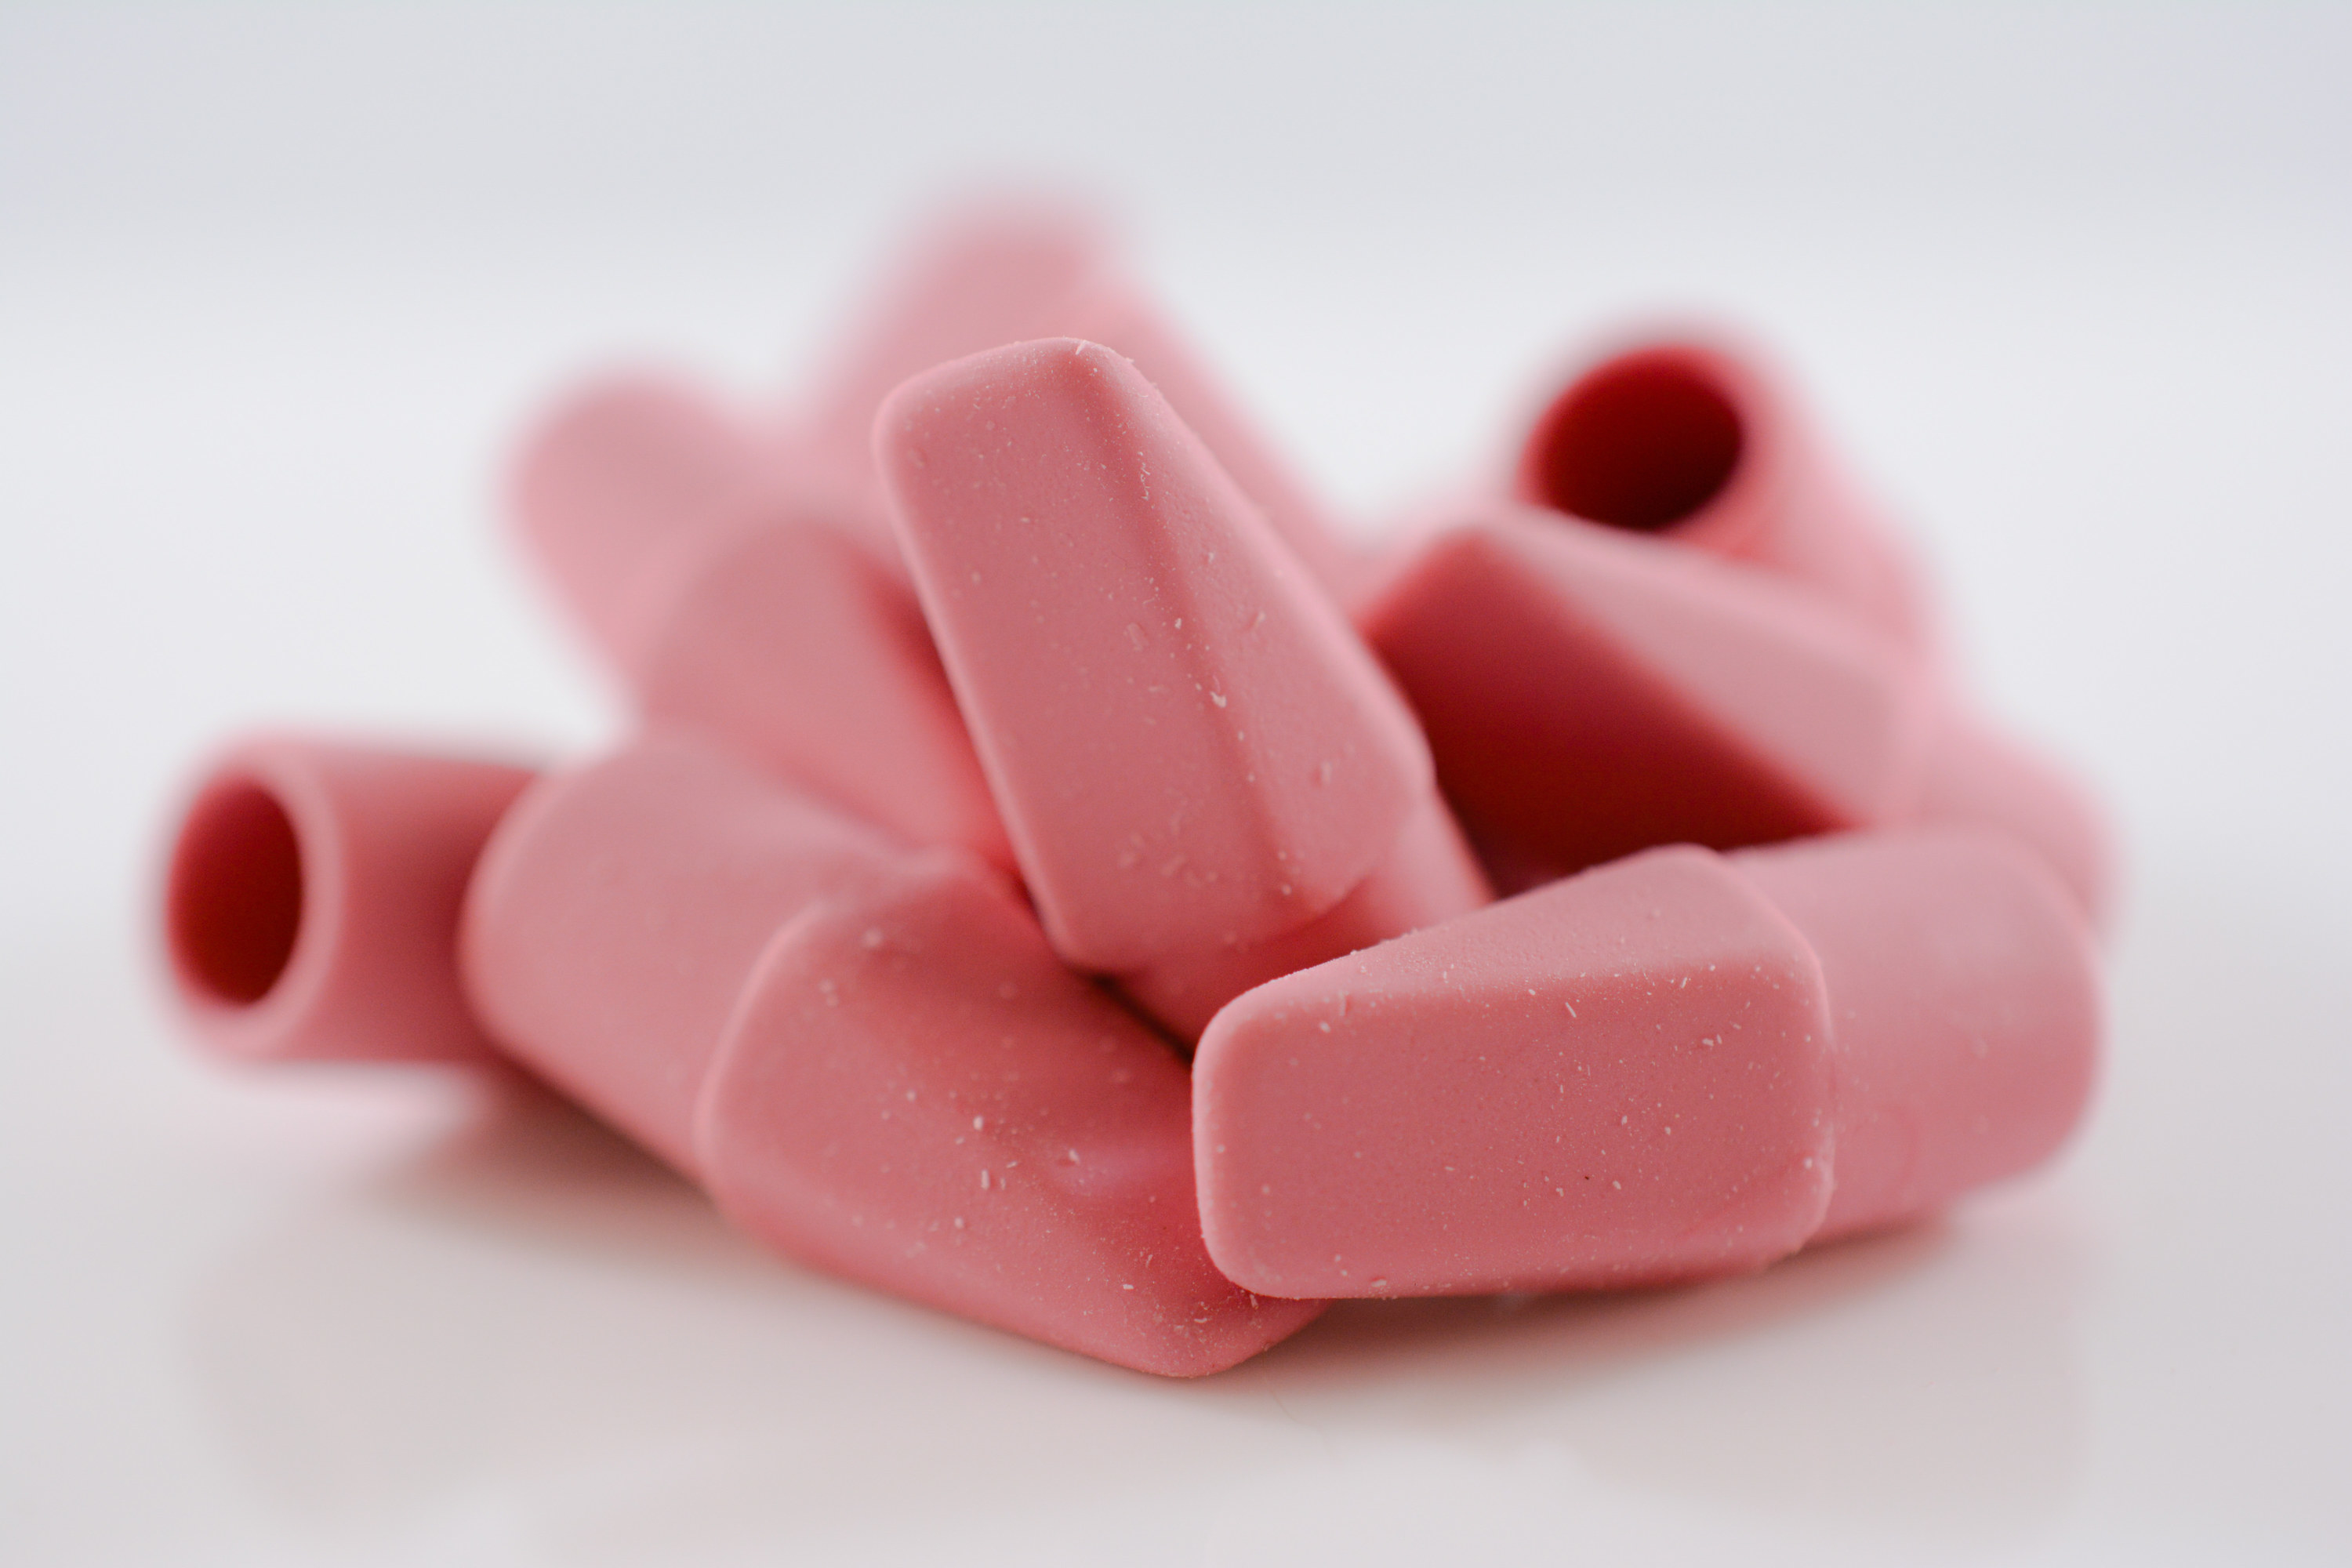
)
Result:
{"points": [[278, 285]]}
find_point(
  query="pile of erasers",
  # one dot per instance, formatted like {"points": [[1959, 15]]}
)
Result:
{"points": [[1057, 876]]}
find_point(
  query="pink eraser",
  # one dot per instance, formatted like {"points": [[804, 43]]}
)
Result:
{"points": [[868, 1056], [619, 906], [1122, 318], [624, 492], [1673, 1067], [802, 651], [1588, 694], [311, 905], [1617, 1080], [1012, 271], [1431, 875], [1188, 744], [1964, 1003], [1698, 442], [1973, 773], [976, 277], [917, 1093], [754, 609], [1656, 695]]}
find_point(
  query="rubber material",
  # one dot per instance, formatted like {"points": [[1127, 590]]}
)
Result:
{"points": [[1678, 1065], [311, 905]]}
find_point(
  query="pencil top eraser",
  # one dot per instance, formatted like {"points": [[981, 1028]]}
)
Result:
{"points": [[311, 899], [623, 492], [1188, 744], [1588, 694], [867, 1054], [1116, 313], [1675, 1066], [1011, 270], [800, 648], [1690, 437], [976, 276], [1965, 1008], [1621, 1079], [917, 1093], [621, 905], [1432, 875], [1975, 773], [1662, 695]]}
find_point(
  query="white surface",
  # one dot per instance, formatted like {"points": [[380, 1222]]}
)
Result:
{"points": [[276, 287]]}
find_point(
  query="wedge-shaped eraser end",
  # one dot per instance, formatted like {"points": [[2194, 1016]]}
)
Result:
{"points": [[1589, 694], [1621, 1079], [1187, 743], [916, 1093]]}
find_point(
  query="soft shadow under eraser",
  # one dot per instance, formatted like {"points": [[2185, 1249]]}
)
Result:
{"points": [[867, 1055], [1698, 442], [1678, 1066], [1188, 744], [311, 902]]}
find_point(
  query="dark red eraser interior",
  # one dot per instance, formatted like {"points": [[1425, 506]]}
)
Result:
{"points": [[1699, 441]]}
